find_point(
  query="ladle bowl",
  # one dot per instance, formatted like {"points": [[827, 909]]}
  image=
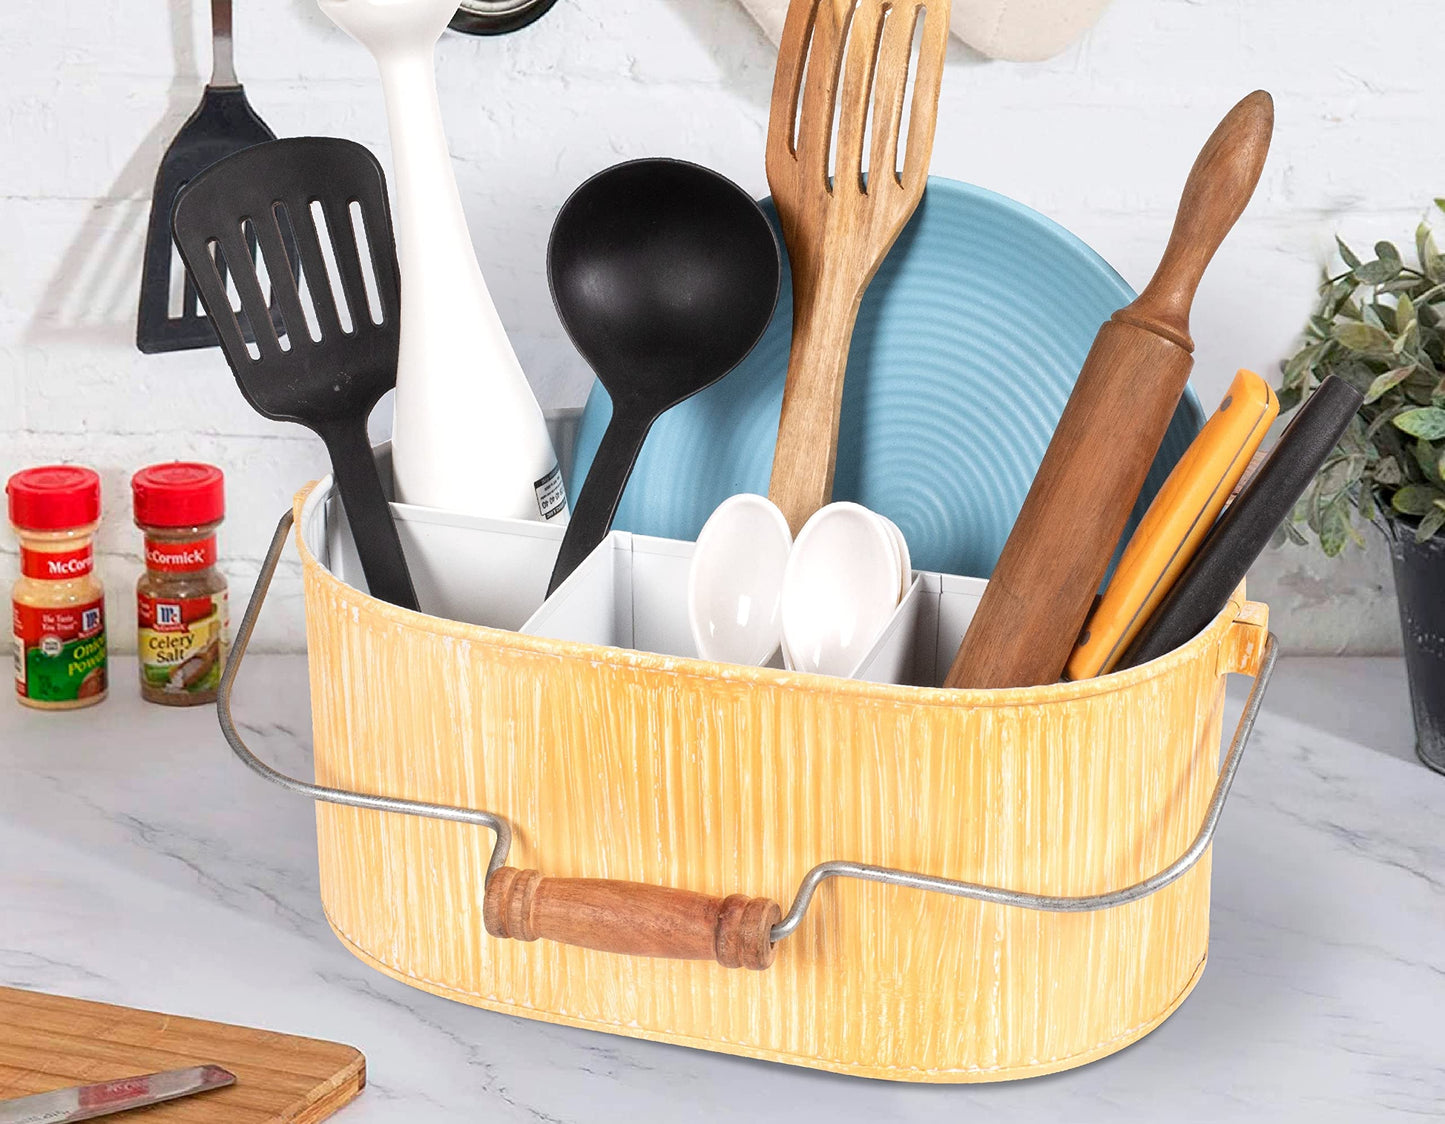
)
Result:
{"points": [[665, 274]]}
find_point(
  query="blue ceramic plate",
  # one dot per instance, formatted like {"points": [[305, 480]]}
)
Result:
{"points": [[967, 345]]}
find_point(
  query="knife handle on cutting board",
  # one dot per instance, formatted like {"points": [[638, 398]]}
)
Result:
{"points": [[1051, 566], [1176, 523], [1249, 522]]}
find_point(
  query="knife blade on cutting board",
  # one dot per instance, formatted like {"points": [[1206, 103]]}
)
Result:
{"points": [[1175, 524], [53, 1041], [1249, 522], [87, 1102]]}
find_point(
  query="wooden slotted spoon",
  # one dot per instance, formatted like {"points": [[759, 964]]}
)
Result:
{"points": [[838, 228]]}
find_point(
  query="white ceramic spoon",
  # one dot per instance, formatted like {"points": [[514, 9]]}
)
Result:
{"points": [[735, 581], [905, 559], [468, 434], [840, 588]]}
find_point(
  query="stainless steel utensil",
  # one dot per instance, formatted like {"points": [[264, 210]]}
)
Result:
{"points": [[86, 1102]]}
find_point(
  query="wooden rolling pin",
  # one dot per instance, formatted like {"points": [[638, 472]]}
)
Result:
{"points": [[631, 918], [1044, 583]]}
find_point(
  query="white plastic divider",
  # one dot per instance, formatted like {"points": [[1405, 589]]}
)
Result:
{"points": [[631, 592]]}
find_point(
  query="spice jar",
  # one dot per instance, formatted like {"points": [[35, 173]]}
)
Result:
{"points": [[182, 612], [58, 604]]}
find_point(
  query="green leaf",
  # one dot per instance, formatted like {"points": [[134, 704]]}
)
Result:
{"points": [[1416, 499], [1425, 421], [1363, 337], [1417, 391], [1439, 202], [1428, 460], [1289, 398], [1381, 420], [1334, 530], [1404, 312], [1423, 241], [1298, 366], [1339, 295], [1387, 472], [1408, 341], [1377, 272], [1340, 473], [1386, 382], [1402, 284], [1387, 252], [1432, 522], [1348, 255]]}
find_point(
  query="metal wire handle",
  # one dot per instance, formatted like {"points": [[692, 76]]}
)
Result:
{"points": [[815, 877]]}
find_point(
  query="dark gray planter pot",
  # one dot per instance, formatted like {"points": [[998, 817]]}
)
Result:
{"points": [[1420, 584]]}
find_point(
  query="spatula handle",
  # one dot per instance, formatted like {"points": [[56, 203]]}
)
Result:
{"points": [[1247, 525], [1218, 189], [223, 65], [369, 515]]}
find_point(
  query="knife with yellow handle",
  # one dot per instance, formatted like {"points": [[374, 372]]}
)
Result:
{"points": [[1175, 524]]}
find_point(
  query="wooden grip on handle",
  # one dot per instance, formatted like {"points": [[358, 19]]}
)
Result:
{"points": [[631, 918], [1218, 189]]}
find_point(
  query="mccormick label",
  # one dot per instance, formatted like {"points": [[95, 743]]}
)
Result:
{"points": [[182, 641], [180, 557], [59, 653], [56, 565], [551, 494]]}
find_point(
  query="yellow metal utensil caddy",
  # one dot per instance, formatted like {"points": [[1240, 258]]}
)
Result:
{"points": [[984, 884]]}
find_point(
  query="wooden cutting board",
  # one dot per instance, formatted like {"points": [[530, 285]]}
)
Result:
{"points": [[50, 1042]]}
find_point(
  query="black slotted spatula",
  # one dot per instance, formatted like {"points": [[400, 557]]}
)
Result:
{"points": [[223, 123], [326, 371]]}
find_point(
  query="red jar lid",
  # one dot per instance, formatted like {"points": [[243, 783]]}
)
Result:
{"points": [[54, 497], [179, 494]]}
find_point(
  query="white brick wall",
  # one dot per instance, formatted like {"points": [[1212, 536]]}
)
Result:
{"points": [[1099, 139]]}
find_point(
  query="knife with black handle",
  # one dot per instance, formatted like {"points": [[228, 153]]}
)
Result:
{"points": [[1247, 525]]}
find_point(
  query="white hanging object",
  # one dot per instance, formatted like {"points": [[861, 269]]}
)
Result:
{"points": [[468, 434], [1016, 30]]}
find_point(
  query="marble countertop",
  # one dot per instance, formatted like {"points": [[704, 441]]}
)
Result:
{"points": [[141, 864]]}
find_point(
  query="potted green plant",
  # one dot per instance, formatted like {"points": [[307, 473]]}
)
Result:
{"points": [[1380, 324]]}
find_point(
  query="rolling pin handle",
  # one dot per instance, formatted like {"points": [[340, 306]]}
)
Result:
{"points": [[1218, 189]]}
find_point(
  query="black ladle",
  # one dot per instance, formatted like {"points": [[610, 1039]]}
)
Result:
{"points": [[665, 275]]}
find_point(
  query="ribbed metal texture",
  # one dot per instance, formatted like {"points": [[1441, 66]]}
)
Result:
{"points": [[719, 779]]}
